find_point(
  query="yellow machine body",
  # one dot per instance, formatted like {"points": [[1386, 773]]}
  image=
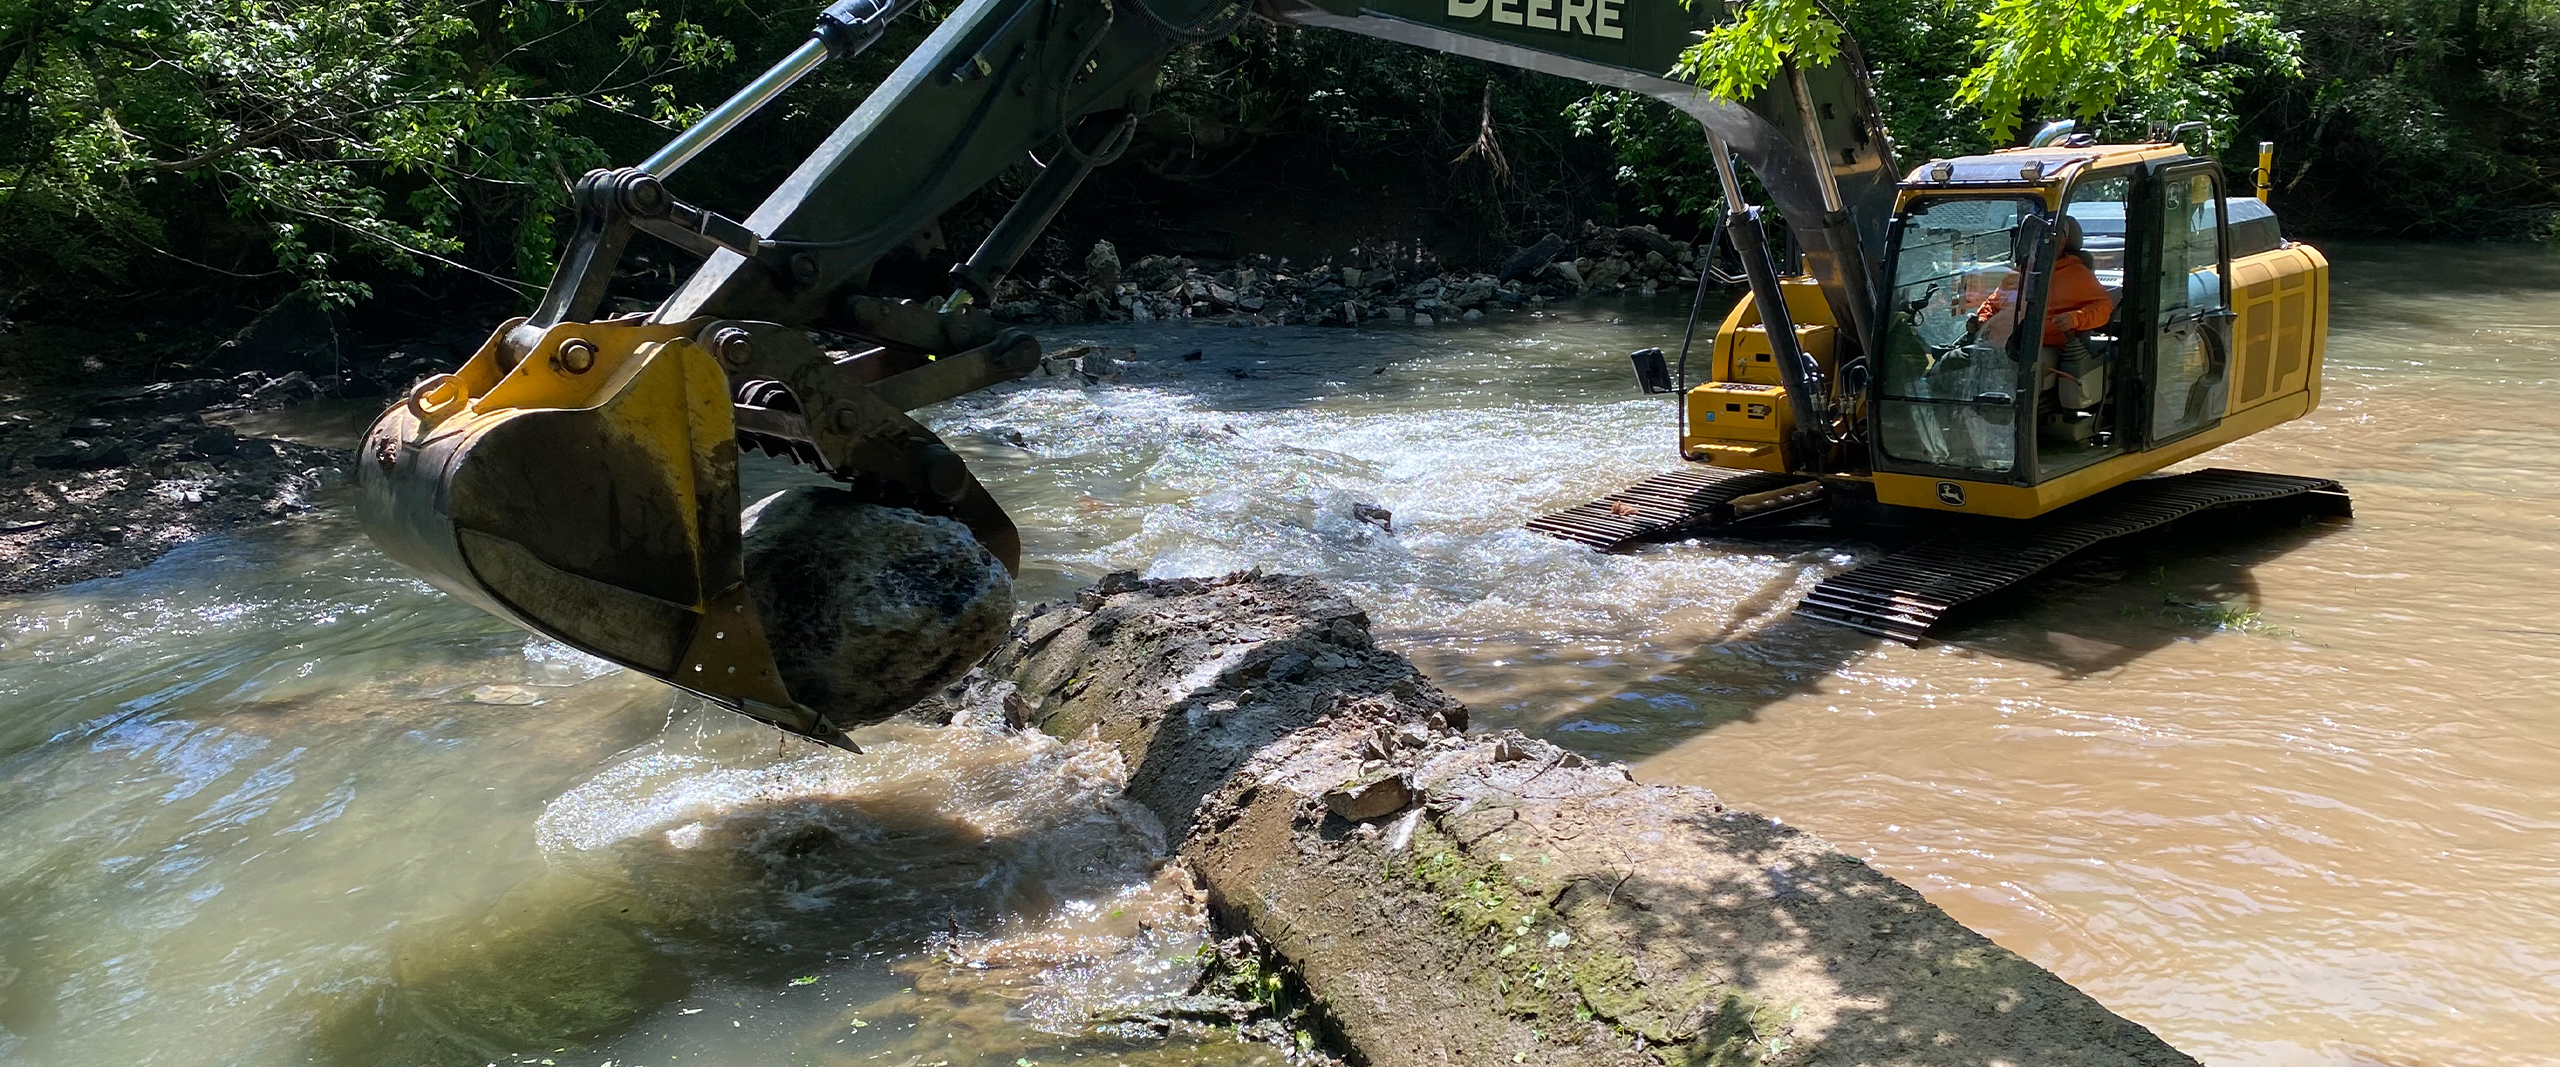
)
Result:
{"points": [[2281, 303], [1740, 418], [2279, 308]]}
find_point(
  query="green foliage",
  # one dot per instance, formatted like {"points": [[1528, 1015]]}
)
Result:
{"points": [[1311, 106], [2082, 57], [252, 148], [1663, 163], [1737, 58], [2420, 116], [1345, 95], [2075, 57], [1919, 52], [1917, 49], [2411, 117], [397, 131]]}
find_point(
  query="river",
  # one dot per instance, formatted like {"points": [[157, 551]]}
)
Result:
{"points": [[2288, 797]]}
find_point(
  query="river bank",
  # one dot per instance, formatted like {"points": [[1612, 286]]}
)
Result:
{"points": [[1258, 290], [95, 484]]}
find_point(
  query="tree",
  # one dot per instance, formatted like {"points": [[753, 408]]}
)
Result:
{"points": [[314, 129], [2080, 57]]}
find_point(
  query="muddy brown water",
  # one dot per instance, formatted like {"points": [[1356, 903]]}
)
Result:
{"points": [[2287, 796]]}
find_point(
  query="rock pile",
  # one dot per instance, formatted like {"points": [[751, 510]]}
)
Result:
{"points": [[1598, 261]]}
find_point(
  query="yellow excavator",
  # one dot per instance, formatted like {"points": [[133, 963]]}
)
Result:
{"points": [[2052, 324], [578, 475]]}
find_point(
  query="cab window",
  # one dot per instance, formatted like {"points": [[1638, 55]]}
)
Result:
{"points": [[1951, 374]]}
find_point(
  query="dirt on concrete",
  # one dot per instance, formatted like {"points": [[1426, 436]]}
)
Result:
{"points": [[1454, 898]]}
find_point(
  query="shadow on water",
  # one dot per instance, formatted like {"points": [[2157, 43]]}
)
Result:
{"points": [[2095, 613], [2421, 270]]}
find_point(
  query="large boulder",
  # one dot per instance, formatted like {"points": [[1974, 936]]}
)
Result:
{"points": [[1102, 269], [1527, 262], [869, 608], [1639, 240]]}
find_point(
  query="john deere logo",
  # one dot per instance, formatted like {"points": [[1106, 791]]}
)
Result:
{"points": [[1587, 18], [1951, 494]]}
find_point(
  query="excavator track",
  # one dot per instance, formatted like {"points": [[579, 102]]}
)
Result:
{"points": [[1689, 500], [1904, 594]]}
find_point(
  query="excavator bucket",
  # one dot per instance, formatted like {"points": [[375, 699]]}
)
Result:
{"points": [[588, 493]]}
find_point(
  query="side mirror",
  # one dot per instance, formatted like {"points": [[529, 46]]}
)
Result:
{"points": [[1653, 374]]}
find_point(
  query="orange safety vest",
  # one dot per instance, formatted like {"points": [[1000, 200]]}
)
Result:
{"points": [[2074, 291]]}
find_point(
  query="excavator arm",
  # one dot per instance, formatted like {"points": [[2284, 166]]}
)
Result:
{"points": [[579, 475], [1831, 178]]}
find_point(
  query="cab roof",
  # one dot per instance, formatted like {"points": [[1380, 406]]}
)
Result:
{"points": [[2033, 166]]}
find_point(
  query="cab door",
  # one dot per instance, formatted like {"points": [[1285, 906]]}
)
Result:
{"points": [[2186, 373]]}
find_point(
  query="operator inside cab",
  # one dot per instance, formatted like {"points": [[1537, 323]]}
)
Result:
{"points": [[2075, 302]]}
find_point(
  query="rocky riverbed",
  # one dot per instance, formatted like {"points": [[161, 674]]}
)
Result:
{"points": [[1260, 291], [111, 459], [99, 483]]}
